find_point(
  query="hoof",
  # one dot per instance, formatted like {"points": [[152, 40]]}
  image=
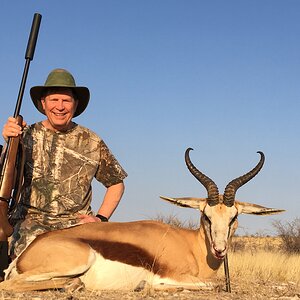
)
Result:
{"points": [[74, 285]]}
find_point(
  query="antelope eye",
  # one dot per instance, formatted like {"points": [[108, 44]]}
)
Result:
{"points": [[206, 218]]}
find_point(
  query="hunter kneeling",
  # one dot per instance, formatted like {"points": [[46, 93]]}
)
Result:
{"points": [[61, 160]]}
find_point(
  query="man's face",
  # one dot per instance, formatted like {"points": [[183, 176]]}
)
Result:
{"points": [[59, 106]]}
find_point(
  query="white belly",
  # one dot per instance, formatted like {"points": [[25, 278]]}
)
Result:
{"points": [[106, 274], [112, 275]]}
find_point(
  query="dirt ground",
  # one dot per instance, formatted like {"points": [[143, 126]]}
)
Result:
{"points": [[239, 290]]}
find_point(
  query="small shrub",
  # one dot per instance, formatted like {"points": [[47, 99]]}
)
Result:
{"points": [[289, 232], [176, 222], [237, 245]]}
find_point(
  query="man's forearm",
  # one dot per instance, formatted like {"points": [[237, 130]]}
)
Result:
{"points": [[111, 199]]}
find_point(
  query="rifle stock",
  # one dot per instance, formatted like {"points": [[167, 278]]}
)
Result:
{"points": [[9, 165], [12, 160], [9, 169]]}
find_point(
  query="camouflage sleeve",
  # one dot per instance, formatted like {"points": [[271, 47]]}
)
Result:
{"points": [[109, 171]]}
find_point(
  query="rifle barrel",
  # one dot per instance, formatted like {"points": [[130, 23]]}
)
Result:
{"points": [[12, 142], [28, 56], [33, 36]]}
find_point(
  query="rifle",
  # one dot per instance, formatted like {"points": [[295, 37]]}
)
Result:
{"points": [[12, 159]]}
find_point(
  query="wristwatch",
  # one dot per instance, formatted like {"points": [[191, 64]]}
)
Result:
{"points": [[102, 218]]}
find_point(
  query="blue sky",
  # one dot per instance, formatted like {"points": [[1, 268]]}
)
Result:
{"points": [[221, 77]]}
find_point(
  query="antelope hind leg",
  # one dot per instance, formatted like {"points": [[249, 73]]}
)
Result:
{"points": [[21, 284], [50, 262], [51, 258]]}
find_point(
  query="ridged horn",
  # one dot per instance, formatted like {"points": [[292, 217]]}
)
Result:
{"points": [[211, 187], [235, 184]]}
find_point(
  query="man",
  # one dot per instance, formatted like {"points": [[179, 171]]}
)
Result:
{"points": [[61, 159]]}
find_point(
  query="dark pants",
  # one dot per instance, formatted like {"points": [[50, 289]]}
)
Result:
{"points": [[4, 258]]}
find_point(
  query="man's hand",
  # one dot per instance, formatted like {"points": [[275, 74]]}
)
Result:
{"points": [[87, 219], [110, 202], [11, 128], [6, 229]]}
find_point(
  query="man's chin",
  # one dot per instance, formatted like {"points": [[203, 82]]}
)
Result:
{"points": [[60, 126]]}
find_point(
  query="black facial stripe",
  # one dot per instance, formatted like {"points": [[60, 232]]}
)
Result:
{"points": [[233, 220], [206, 218]]}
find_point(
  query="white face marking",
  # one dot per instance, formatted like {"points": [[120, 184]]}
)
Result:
{"points": [[219, 223]]}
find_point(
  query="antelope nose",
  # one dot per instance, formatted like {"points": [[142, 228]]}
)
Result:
{"points": [[219, 250]]}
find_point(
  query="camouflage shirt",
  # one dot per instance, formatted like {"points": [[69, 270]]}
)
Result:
{"points": [[59, 169]]}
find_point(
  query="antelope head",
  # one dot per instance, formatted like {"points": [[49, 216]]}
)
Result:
{"points": [[220, 212]]}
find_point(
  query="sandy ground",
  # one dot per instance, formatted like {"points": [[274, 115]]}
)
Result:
{"points": [[239, 290]]}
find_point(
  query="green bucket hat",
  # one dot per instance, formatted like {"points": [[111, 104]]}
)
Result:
{"points": [[61, 78]]}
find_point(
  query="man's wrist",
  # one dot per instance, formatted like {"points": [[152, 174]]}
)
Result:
{"points": [[102, 218]]}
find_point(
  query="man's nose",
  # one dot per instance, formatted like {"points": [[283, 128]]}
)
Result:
{"points": [[60, 105]]}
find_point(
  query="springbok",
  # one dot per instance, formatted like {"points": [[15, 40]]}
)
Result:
{"points": [[124, 255]]}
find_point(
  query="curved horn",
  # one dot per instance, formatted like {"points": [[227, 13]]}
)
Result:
{"points": [[232, 187], [211, 187]]}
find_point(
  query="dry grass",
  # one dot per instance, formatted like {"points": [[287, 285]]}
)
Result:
{"points": [[256, 243], [265, 266], [261, 259]]}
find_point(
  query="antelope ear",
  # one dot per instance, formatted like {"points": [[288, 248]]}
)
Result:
{"points": [[197, 203], [254, 209]]}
